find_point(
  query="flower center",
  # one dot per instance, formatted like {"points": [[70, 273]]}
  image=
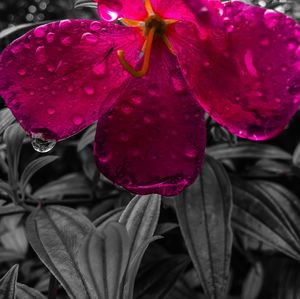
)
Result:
{"points": [[153, 26]]}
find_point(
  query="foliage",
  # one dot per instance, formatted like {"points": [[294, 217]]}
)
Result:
{"points": [[68, 232]]}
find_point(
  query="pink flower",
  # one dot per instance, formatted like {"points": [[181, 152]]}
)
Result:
{"points": [[238, 62]]}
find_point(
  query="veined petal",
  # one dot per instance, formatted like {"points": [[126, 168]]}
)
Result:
{"points": [[110, 10], [152, 139], [246, 73], [55, 77]]}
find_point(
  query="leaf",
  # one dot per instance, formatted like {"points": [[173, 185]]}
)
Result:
{"points": [[33, 167], [266, 168], [11, 209], [85, 3], [204, 211], [296, 155], [259, 216], [6, 119], [253, 283], [71, 184], [25, 292], [141, 217], [8, 284], [56, 234], [247, 150], [157, 279], [132, 270], [112, 216], [103, 259], [164, 228], [89, 135], [15, 29], [13, 137]]}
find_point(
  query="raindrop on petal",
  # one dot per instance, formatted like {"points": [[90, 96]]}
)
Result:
{"points": [[271, 18], [42, 146], [89, 90], [77, 120], [22, 72]]}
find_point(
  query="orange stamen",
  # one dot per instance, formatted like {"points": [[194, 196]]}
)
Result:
{"points": [[131, 23], [149, 8], [147, 54]]}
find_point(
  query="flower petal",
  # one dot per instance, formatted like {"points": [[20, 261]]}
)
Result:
{"points": [[245, 74], [55, 77], [152, 139], [110, 10]]}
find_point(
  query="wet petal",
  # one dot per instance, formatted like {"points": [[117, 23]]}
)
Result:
{"points": [[110, 10], [55, 77], [152, 139], [246, 74]]}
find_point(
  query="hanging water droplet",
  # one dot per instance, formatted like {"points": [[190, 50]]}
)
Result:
{"points": [[50, 68], [42, 146], [109, 13], [265, 42]]}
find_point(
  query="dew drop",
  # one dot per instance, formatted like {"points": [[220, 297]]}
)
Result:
{"points": [[66, 41], [77, 119], [191, 153], [99, 69], [178, 84], [50, 37], [265, 42], [271, 18], [51, 111], [89, 38], [50, 68], [64, 24], [70, 89], [109, 14], [105, 158], [95, 26], [40, 31], [22, 72], [89, 90], [42, 146]]}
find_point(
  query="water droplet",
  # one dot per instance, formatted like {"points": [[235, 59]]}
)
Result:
{"points": [[284, 68], [126, 110], [105, 158], [89, 38], [50, 68], [99, 69], [89, 90], [109, 13], [22, 72], [191, 153], [40, 31], [32, 93], [296, 100], [66, 41], [51, 111], [95, 26], [77, 119], [277, 100], [40, 53], [50, 37], [271, 18], [265, 42], [64, 24], [148, 120], [70, 89], [42, 146], [178, 84]]}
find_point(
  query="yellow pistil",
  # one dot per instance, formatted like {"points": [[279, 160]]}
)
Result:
{"points": [[151, 27]]}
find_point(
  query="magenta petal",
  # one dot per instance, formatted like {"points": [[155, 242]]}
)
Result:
{"points": [[245, 74], [152, 139], [175, 9], [55, 77], [110, 10]]}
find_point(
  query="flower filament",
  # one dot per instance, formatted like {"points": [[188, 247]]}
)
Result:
{"points": [[152, 26]]}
